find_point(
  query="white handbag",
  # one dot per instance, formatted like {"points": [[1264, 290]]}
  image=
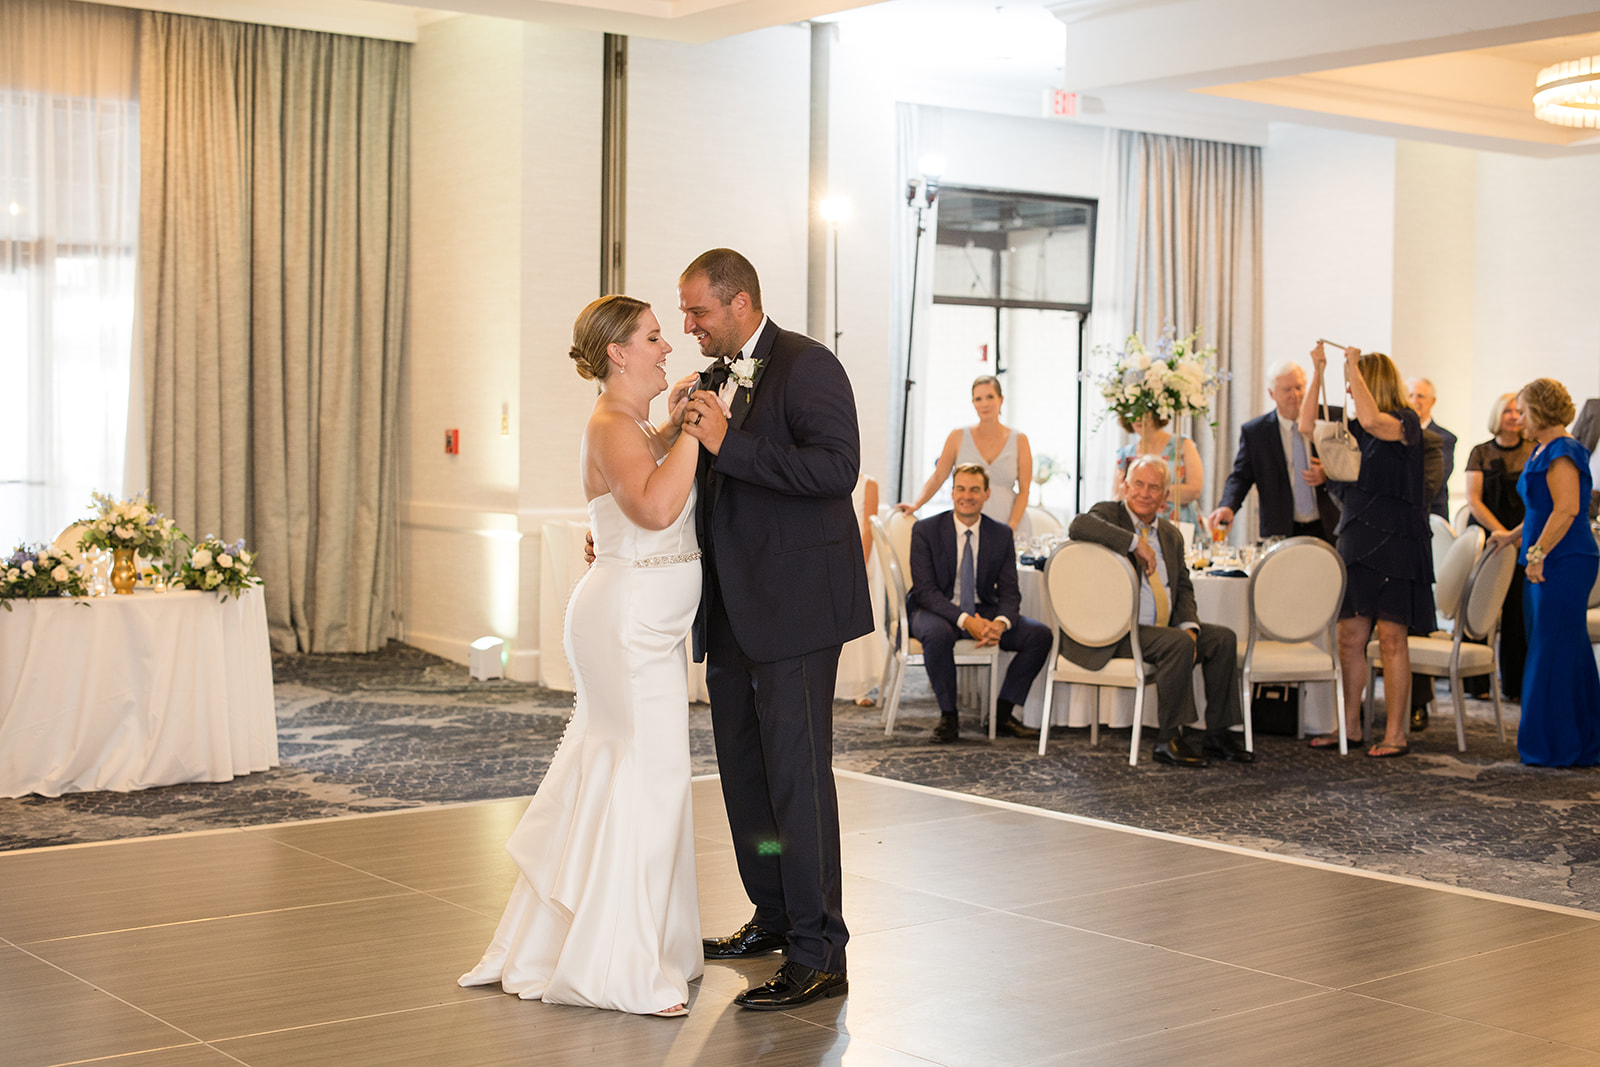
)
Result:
{"points": [[1336, 445]]}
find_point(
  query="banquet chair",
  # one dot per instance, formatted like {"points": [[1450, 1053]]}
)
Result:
{"points": [[67, 540], [1470, 650], [905, 650], [1451, 571], [1093, 596], [1444, 535], [1040, 523], [1462, 518], [1295, 593]]}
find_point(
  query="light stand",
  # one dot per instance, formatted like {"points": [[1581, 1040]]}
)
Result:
{"points": [[835, 209], [920, 194]]}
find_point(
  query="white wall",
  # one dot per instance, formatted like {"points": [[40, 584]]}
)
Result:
{"points": [[1327, 246], [1537, 276]]}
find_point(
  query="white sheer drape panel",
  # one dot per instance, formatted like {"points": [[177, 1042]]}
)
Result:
{"points": [[273, 278], [1196, 255], [69, 190]]}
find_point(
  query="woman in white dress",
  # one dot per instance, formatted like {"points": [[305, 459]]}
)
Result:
{"points": [[605, 911], [1004, 452]]}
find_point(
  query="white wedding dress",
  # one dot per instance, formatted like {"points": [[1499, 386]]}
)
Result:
{"points": [[605, 911]]}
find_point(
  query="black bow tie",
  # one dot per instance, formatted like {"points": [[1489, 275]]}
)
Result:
{"points": [[713, 376]]}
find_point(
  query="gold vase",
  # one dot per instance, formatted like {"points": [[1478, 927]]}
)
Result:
{"points": [[123, 571]]}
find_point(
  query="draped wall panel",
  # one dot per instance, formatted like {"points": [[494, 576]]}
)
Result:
{"points": [[273, 265], [1196, 254]]}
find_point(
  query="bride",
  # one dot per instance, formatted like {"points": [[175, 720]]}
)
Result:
{"points": [[605, 911]]}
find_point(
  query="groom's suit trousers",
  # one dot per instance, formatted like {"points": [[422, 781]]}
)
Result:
{"points": [[784, 813]]}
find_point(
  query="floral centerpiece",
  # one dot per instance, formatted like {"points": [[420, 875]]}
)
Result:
{"points": [[128, 524], [1179, 378], [40, 572], [214, 566]]}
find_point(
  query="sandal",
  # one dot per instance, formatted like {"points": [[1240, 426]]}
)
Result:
{"points": [[1332, 741], [1388, 751], [677, 1011]]}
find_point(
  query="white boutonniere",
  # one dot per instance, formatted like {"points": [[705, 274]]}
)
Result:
{"points": [[743, 371]]}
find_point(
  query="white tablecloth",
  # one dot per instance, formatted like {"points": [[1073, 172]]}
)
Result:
{"points": [[129, 692], [1224, 601]]}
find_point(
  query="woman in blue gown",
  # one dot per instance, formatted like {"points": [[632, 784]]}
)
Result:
{"points": [[1560, 685]]}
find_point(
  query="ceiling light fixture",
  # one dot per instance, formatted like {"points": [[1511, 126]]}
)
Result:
{"points": [[1568, 94]]}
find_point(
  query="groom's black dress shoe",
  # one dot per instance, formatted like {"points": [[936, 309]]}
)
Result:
{"points": [[948, 730], [1010, 727], [748, 940], [1227, 746], [794, 984], [1178, 754]]}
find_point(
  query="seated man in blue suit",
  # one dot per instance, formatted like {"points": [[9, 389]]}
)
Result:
{"points": [[964, 585]]}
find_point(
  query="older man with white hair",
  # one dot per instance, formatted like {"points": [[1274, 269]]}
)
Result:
{"points": [[1292, 498], [1172, 639], [1423, 396]]}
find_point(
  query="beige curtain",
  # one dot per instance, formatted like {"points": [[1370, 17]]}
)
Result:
{"points": [[273, 261], [1196, 262]]}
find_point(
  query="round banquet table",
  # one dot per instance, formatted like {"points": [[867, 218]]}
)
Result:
{"points": [[1221, 600], [129, 692]]}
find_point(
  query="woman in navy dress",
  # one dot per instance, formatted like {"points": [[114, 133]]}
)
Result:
{"points": [[1383, 540], [1560, 686]]}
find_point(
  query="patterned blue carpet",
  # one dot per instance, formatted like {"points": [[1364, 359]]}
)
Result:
{"points": [[403, 729]]}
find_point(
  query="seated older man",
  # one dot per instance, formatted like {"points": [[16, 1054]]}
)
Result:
{"points": [[1171, 636]]}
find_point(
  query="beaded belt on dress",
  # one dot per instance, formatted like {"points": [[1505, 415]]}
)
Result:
{"points": [[667, 561]]}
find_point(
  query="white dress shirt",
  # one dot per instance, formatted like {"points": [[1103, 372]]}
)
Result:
{"points": [[730, 386], [961, 538]]}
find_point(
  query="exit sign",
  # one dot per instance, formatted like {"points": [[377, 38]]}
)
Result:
{"points": [[1060, 104]]}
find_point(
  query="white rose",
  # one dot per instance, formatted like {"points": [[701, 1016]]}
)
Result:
{"points": [[61, 574], [224, 561], [1142, 362], [13, 574], [200, 560], [27, 567]]}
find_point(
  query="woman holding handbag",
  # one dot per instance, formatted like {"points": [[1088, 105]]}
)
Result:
{"points": [[1383, 539]]}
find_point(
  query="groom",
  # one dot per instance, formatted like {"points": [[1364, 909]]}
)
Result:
{"points": [[785, 588]]}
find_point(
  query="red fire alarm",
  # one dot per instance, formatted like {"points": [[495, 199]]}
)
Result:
{"points": [[452, 442]]}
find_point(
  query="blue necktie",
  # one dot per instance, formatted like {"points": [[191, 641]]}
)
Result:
{"points": [[969, 577], [1304, 502]]}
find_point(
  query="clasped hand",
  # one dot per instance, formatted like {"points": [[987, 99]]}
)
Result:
{"points": [[984, 631]]}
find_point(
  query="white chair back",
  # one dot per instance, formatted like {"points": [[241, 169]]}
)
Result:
{"points": [[1093, 593], [899, 530], [1041, 523], [1462, 519], [1486, 592], [1296, 590], [1444, 535], [894, 582], [1450, 576], [67, 540]]}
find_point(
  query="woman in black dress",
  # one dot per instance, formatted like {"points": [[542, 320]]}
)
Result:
{"points": [[1383, 540], [1492, 472]]}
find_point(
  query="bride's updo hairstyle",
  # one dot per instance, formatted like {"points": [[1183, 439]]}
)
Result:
{"points": [[607, 321]]}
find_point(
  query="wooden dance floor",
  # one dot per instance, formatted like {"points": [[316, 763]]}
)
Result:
{"points": [[983, 934]]}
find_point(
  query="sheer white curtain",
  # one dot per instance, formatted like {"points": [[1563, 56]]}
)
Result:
{"points": [[69, 197]]}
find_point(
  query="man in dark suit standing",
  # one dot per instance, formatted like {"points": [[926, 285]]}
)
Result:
{"points": [[1423, 397], [964, 585], [785, 588], [1292, 498], [1172, 639]]}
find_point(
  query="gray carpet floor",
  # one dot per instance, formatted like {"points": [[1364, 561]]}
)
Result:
{"points": [[403, 729]]}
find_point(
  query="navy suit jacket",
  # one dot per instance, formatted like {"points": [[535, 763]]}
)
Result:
{"points": [[1260, 462], [774, 517], [1440, 503], [934, 562]]}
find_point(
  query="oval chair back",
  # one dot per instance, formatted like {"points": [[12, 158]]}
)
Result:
{"points": [[1486, 592], [1041, 523], [1093, 593], [1296, 590], [894, 582], [1450, 577], [1444, 535], [899, 529]]}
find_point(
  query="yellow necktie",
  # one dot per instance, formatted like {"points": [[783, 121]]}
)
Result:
{"points": [[1157, 590]]}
